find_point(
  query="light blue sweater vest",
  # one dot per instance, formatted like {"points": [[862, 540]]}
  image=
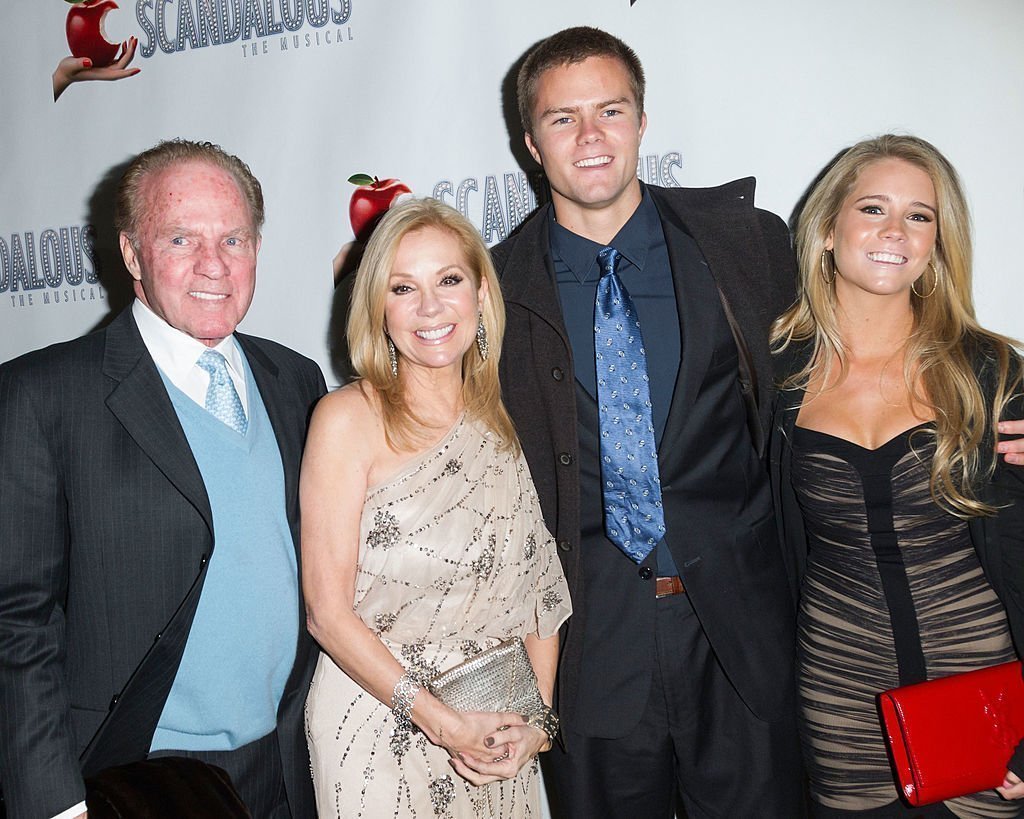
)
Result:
{"points": [[242, 644]]}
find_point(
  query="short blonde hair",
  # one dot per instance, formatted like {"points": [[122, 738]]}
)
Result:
{"points": [[367, 341]]}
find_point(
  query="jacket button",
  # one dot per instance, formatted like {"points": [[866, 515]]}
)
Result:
{"points": [[565, 545], [113, 701], [565, 459], [557, 373], [646, 572]]}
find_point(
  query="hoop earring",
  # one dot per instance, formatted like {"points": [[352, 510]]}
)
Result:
{"points": [[481, 338], [392, 356], [935, 283], [824, 275]]}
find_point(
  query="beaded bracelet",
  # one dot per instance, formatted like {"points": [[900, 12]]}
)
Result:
{"points": [[402, 699]]}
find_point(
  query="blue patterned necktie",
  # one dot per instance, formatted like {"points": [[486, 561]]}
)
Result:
{"points": [[222, 400], [633, 517]]}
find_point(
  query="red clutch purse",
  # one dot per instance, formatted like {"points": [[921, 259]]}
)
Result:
{"points": [[954, 736]]}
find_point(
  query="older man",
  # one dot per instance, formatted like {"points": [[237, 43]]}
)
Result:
{"points": [[149, 601]]}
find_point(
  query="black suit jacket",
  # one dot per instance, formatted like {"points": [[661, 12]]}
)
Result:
{"points": [[105, 536], [718, 511]]}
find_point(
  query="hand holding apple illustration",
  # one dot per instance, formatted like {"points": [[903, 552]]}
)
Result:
{"points": [[370, 201], [93, 57]]}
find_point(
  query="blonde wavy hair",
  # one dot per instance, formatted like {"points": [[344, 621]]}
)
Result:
{"points": [[947, 342], [367, 342]]}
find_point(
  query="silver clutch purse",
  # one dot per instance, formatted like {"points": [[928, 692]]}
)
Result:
{"points": [[498, 679]]}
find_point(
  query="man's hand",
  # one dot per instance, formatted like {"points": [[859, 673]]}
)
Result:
{"points": [[1013, 450]]}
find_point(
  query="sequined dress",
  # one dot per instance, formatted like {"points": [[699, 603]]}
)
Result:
{"points": [[894, 593], [454, 558]]}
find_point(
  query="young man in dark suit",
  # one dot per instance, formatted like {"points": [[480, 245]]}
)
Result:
{"points": [[677, 665], [149, 595]]}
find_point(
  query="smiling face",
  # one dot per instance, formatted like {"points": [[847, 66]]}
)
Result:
{"points": [[886, 229], [432, 306], [194, 258], [586, 135]]}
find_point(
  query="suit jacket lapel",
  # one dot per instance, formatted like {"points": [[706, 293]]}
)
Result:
{"points": [[726, 230], [730, 244], [140, 402], [696, 339], [529, 279]]}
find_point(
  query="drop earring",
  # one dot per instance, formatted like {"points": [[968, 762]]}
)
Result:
{"points": [[392, 356], [481, 338]]}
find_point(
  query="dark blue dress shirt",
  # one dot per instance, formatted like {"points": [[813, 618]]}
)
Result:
{"points": [[646, 273]]}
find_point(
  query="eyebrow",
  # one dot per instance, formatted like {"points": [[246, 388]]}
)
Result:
{"points": [[573, 109], [885, 198], [401, 275], [183, 230]]}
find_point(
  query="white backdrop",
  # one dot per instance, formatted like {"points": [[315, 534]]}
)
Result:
{"points": [[414, 89]]}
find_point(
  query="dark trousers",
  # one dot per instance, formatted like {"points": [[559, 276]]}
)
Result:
{"points": [[256, 771], [696, 738]]}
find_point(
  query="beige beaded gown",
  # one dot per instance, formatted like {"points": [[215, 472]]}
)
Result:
{"points": [[454, 558]]}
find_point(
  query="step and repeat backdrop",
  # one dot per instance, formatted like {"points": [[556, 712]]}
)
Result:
{"points": [[417, 94]]}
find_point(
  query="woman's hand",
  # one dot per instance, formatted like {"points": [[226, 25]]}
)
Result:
{"points": [[513, 745], [1012, 787], [78, 69], [470, 734]]}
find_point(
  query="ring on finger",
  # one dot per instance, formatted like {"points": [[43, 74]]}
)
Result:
{"points": [[501, 758]]}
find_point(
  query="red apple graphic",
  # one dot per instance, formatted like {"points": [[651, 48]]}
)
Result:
{"points": [[370, 201], [85, 32]]}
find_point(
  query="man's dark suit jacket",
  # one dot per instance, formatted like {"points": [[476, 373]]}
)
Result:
{"points": [[720, 526], [105, 535]]}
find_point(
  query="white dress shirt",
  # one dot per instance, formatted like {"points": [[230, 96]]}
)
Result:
{"points": [[176, 354]]}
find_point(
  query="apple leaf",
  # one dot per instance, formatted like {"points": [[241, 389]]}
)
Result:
{"points": [[361, 179]]}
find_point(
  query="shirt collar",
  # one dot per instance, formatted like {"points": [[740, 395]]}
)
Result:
{"points": [[632, 241], [175, 352]]}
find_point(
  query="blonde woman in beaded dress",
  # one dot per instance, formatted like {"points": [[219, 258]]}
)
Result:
{"points": [[904, 524], [422, 540]]}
